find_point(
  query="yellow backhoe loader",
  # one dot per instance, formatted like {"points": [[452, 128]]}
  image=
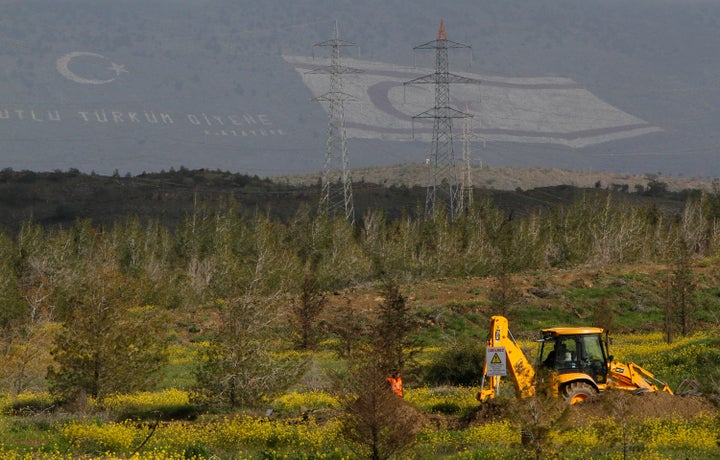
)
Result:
{"points": [[574, 360]]}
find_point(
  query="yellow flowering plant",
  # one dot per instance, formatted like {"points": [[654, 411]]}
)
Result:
{"points": [[27, 402], [95, 437], [166, 404], [294, 402]]}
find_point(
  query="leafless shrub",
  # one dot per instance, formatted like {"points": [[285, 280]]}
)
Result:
{"points": [[377, 424]]}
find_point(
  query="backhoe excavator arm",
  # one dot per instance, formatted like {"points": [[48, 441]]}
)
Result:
{"points": [[517, 364], [632, 377]]}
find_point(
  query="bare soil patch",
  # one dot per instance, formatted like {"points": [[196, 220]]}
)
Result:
{"points": [[611, 405], [647, 405]]}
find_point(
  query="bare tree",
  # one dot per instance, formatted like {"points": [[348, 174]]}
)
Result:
{"points": [[27, 311], [305, 312], [683, 288], [349, 327], [537, 415], [692, 226], [107, 342], [503, 292], [681, 304], [603, 315], [239, 366], [619, 404], [25, 356], [668, 311]]}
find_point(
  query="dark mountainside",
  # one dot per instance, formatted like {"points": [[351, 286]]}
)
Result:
{"points": [[60, 199], [151, 85]]}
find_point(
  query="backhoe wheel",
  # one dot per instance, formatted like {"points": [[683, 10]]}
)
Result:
{"points": [[578, 392]]}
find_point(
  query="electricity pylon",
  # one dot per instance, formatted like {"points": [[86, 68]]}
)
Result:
{"points": [[443, 175], [466, 187], [467, 190], [336, 194]]}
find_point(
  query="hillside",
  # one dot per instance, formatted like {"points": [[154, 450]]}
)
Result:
{"points": [[135, 86], [507, 178], [225, 337], [61, 198]]}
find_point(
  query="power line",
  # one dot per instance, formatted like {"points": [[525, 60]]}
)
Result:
{"points": [[443, 179], [336, 194]]}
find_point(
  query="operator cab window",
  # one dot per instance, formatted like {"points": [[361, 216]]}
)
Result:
{"points": [[562, 354], [592, 360]]}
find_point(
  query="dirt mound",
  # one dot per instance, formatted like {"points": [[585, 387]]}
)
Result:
{"points": [[612, 404], [491, 410], [647, 405]]}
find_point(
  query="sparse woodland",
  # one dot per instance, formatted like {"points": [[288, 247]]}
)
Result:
{"points": [[110, 289], [89, 312]]}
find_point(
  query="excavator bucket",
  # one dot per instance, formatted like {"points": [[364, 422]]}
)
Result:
{"points": [[688, 387]]}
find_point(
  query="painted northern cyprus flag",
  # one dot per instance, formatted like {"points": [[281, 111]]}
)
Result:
{"points": [[536, 110]]}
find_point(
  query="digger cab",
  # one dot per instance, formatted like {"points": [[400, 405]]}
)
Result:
{"points": [[575, 353]]}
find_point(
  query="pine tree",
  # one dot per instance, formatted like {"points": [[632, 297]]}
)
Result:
{"points": [[394, 328], [305, 312]]}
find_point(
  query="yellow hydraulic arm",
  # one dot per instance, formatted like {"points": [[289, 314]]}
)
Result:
{"points": [[632, 377], [517, 364]]}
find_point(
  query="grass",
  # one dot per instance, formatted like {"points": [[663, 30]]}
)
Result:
{"points": [[595, 292], [695, 357], [527, 322], [290, 433], [238, 436], [438, 324], [181, 365]]}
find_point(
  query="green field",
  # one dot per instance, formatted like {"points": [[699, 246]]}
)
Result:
{"points": [[307, 423]]}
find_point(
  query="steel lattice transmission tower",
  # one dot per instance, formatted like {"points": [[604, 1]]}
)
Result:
{"points": [[466, 188], [336, 194], [443, 175]]}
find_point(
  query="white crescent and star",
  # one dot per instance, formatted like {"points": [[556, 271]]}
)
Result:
{"points": [[63, 66]]}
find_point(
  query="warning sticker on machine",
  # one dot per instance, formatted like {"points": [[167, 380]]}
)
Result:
{"points": [[496, 361]]}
